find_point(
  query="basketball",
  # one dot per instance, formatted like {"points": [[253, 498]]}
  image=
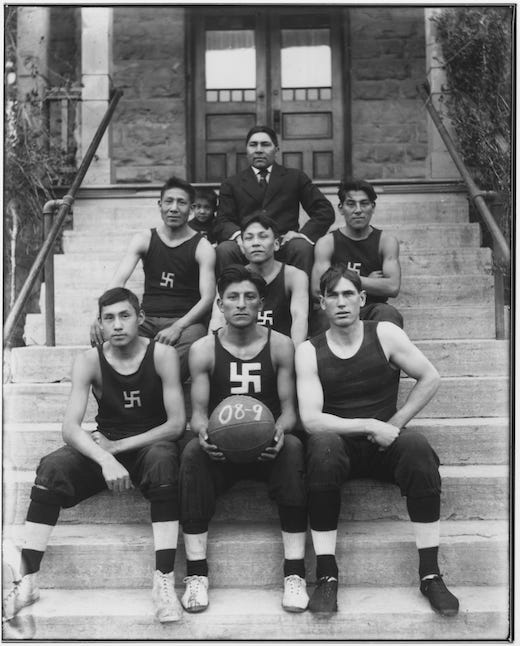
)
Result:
{"points": [[242, 427]]}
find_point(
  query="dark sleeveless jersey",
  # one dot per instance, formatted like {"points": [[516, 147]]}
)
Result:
{"points": [[255, 377], [171, 277], [276, 310], [360, 255], [130, 404], [365, 385]]}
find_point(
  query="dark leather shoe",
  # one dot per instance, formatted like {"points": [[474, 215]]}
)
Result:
{"points": [[325, 595], [440, 598]]}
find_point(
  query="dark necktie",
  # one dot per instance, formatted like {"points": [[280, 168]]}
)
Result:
{"points": [[262, 174]]}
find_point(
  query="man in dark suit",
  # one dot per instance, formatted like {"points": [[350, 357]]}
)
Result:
{"points": [[278, 192]]}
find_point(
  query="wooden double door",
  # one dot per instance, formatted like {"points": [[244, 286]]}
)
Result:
{"points": [[281, 67]]}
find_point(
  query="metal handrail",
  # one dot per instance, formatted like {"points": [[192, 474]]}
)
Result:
{"points": [[64, 205], [476, 195]]}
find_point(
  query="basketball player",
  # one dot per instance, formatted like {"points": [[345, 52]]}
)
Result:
{"points": [[371, 252], [244, 358], [285, 306], [179, 279], [347, 382], [140, 416]]}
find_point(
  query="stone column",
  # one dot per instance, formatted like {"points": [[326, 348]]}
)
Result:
{"points": [[439, 164], [96, 68]]}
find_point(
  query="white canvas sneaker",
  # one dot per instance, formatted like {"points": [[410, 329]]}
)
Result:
{"points": [[295, 597], [195, 597], [167, 606], [23, 593]]}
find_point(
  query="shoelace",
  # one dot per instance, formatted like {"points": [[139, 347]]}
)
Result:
{"points": [[294, 583], [194, 582], [166, 588]]}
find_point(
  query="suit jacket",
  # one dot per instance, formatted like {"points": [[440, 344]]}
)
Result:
{"points": [[241, 195]]}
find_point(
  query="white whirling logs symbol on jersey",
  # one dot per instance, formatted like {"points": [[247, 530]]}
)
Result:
{"points": [[167, 279], [266, 317], [132, 398], [355, 266], [245, 379]]}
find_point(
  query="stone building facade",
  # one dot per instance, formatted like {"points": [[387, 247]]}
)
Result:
{"points": [[384, 56]]}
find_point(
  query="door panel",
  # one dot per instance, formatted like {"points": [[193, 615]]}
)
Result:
{"points": [[268, 67]]}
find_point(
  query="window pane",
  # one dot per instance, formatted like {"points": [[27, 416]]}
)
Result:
{"points": [[230, 59], [306, 58]]}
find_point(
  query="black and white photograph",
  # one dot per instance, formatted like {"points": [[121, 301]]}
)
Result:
{"points": [[258, 329]]}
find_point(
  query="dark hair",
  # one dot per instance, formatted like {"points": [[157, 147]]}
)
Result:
{"points": [[334, 274], [117, 295], [263, 220], [350, 184], [177, 182], [238, 274], [206, 194], [266, 129]]}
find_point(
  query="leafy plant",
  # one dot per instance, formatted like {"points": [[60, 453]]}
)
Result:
{"points": [[476, 45], [33, 165]]}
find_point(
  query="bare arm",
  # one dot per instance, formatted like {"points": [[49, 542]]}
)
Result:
{"points": [[83, 376], [310, 401], [201, 363], [205, 257], [136, 250], [405, 355], [299, 288], [322, 255], [386, 282], [166, 364], [282, 357]]}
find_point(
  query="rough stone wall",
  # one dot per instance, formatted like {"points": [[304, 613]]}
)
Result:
{"points": [[387, 57], [149, 128]]}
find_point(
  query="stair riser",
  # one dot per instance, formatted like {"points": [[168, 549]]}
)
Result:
{"points": [[455, 445], [361, 626], [385, 217], [466, 562], [420, 323], [47, 365], [449, 236], [95, 276], [462, 499], [456, 397]]}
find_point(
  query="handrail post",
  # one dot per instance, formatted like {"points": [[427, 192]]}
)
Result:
{"points": [[50, 327]]}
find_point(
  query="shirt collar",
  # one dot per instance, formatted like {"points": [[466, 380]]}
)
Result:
{"points": [[257, 170]]}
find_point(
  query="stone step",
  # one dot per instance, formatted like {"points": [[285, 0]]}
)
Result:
{"points": [[147, 216], [416, 291], [456, 397], [468, 493], [482, 440], [80, 556], [431, 236], [42, 364], [455, 261], [365, 613], [455, 322]]}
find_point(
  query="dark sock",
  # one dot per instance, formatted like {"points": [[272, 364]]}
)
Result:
{"points": [[326, 566], [294, 566], [165, 560], [197, 568], [31, 560], [428, 561]]}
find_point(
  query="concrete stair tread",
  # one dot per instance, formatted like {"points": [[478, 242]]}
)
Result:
{"points": [[476, 471], [26, 427], [239, 532], [364, 613], [465, 357]]}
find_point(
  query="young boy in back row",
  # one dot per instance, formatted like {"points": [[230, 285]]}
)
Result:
{"points": [[204, 209]]}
